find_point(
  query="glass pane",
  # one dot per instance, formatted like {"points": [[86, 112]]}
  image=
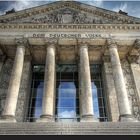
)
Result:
{"points": [[66, 113], [35, 104], [97, 93], [38, 102], [67, 102], [95, 100]]}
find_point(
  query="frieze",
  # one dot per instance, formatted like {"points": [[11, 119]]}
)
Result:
{"points": [[72, 26]]}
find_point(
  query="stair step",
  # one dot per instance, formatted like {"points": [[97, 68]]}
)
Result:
{"points": [[70, 128]]}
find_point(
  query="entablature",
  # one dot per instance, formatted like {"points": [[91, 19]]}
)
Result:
{"points": [[82, 27], [68, 49]]}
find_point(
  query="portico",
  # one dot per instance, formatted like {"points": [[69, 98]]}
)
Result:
{"points": [[69, 69], [86, 100]]}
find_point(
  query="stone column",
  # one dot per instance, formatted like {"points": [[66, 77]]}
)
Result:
{"points": [[123, 102], [49, 86], [14, 84], [110, 92], [87, 114], [2, 59]]}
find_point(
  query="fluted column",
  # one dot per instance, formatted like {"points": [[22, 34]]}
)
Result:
{"points": [[123, 102], [14, 84], [49, 86], [87, 113]]}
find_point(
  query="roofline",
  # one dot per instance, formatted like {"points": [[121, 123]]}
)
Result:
{"points": [[49, 4], [106, 9]]}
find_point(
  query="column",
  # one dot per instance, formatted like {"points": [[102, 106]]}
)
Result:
{"points": [[87, 114], [49, 86], [123, 102], [14, 84], [2, 59], [110, 92]]}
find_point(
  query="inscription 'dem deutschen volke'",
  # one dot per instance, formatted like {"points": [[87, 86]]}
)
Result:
{"points": [[66, 35]]}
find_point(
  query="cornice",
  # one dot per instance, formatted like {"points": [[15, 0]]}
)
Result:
{"points": [[13, 26], [73, 5]]}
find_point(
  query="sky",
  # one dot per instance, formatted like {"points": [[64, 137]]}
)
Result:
{"points": [[131, 7], [66, 106]]}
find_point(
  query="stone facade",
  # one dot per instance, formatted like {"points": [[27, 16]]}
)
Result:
{"points": [[4, 81], [70, 33], [24, 88], [136, 100], [113, 110], [131, 88], [24, 92], [112, 105]]}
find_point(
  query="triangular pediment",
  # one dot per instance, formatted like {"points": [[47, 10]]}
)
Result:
{"points": [[68, 12]]}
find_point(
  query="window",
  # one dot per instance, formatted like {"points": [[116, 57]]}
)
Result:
{"points": [[67, 93], [97, 93], [35, 104], [67, 98]]}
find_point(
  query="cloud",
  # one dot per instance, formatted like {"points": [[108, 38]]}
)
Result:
{"points": [[24, 4], [123, 7], [1, 12], [132, 8], [98, 3], [67, 114]]}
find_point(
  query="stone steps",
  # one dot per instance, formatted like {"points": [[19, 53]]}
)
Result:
{"points": [[108, 128]]}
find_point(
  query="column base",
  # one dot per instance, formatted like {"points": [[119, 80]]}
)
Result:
{"points": [[127, 118], [8, 119], [88, 118], [46, 118]]}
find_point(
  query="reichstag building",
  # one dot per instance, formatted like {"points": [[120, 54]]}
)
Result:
{"points": [[70, 65]]}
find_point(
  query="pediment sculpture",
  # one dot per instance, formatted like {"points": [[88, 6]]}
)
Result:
{"points": [[64, 16]]}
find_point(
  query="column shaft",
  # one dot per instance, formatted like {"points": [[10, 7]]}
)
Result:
{"points": [[123, 102], [14, 85], [49, 86], [87, 113]]}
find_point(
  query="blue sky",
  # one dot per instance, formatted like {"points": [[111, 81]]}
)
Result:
{"points": [[131, 7]]}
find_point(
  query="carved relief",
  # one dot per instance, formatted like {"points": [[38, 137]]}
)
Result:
{"points": [[65, 16], [131, 90], [21, 41], [98, 15]]}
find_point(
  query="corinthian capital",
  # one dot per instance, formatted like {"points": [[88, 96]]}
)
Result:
{"points": [[82, 42], [50, 41], [111, 43], [137, 44], [21, 41]]}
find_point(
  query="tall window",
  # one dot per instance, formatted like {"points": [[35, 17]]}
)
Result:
{"points": [[35, 104], [97, 93], [67, 93], [67, 98]]}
